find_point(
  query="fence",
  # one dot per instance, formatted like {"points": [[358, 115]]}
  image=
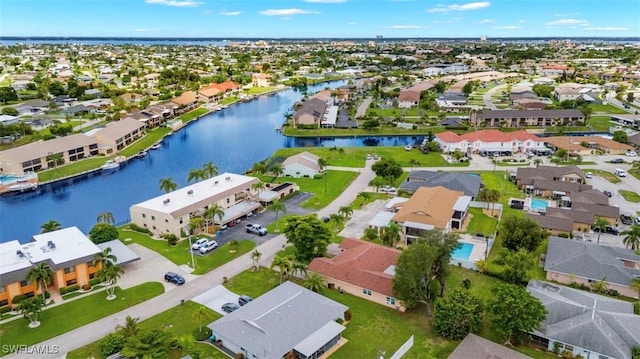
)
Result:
{"points": [[403, 349]]}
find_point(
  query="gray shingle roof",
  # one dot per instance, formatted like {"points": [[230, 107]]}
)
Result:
{"points": [[552, 223], [475, 347], [530, 113], [277, 321], [464, 182], [586, 320], [589, 260]]}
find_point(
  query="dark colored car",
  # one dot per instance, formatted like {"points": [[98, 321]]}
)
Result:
{"points": [[617, 160], [625, 219], [325, 219], [607, 193], [244, 299], [229, 307], [608, 229], [174, 278]]}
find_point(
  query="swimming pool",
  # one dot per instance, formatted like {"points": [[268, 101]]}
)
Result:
{"points": [[539, 204], [8, 179], [463, 252]]}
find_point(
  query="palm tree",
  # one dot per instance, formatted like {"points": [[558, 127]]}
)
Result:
{"points": [[259, 168], [109, 275], [106, 217], [635, 285], [283, 264], [337, 220], [414, 163], [346, 211], [255, 257], [167, 185], [213, 212], [105, 258], [199, 315], [632, 239], [276, 170], [377, 183], [322, 163], [599, 286], [195, 224], [600, 224], [537, 162], [278, 206], [30, 309], [298, 269], [42, 275], [258, 187], [314, 282], [365, 197], [391, 234], [130, 327], [210, 170], [50, 226], [196, 174]]}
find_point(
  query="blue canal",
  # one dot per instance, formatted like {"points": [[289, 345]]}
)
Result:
{"points": [[233, 139]]}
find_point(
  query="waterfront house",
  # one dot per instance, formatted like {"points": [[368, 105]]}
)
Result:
{"points": [[519, 118], [227, 88], [489, 141], [148, 118], [303, 164], [171, 212], [584, 323], [68, 252], [131, 97], [363, 269], [408, 98], [431, 208], [187, 101], [311, 112], [261, 80], [288, 321], [37, 156], [209, 94], [118, 135]]}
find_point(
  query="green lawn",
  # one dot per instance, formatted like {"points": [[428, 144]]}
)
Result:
{"points": [[630, 195], [66, 317], [72, 168], [600, 123], [336, 183], [152, 136], [229, 100], [189, 116], [177, 320], [179, 254], [348, 132], [481, 223], [356, 156], [607, 109], [605, 174], [259, 90], [634, 172], [375, 327]]}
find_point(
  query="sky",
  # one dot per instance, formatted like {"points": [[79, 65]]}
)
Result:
{"points": [[320, 18]]}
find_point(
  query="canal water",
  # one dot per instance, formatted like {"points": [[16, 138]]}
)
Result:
{"points": [[233, 139]]}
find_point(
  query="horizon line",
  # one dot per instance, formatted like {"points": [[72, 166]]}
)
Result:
{"points": [[311, 38]]}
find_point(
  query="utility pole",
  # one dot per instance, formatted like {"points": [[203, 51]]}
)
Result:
{"points": [[193, 262]]}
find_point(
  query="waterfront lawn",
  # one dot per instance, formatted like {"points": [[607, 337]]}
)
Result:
{"points": [[630, 195], [152, 136], [63, 318], [600, 123], [605, 174], [349, 132], [607, 109], [189, 116], [481, 223], [179, 254], [259, 90], [229, 100], [72, 168], [177, 321]]}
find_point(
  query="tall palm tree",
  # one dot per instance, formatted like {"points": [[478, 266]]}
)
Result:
{"points": [[537, 162], [377, 183], [278, 206], [258, 187], [213, 212], [167, 185], [195, 224], [283, 264], [314, 282], [276, 170], [599, 286], [635, 285], [391, 234], [337, 220], [298, 269], [255, 257], [42, 275], [600, 224], [109, 275], [345, 211], [632, 239], [196, 174], [365, 197], [322, 163], [210, 170], [199, 315], [50, 226], [259, 168], [105, 258], [130, 327], [105, 217]]}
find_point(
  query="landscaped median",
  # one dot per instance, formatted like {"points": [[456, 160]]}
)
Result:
{"points": [[179, 254], [630, 195], [68, 316]]}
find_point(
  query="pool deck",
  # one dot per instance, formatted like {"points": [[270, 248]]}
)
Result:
{"points": [[479, 247]]}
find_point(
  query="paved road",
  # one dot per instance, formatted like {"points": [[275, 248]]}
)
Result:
{"points": [[486, 98]]}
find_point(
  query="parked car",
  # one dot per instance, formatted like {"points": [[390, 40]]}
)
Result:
{"points": [[244, 299], [174, 278], [196, 246], [325, 219], [230, 307], [626, 219], [208, 247], [607, 193], [632, 154], [608, 229], [387, 189], [223, 226], [617, 160], [588, 175], [638, 220], [256, 229]]}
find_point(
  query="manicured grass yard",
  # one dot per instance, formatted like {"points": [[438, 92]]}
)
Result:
{"points": [[179, 254], [147, 141], [66, 317], [72, 168], [189, 116], [228, 100], [259, 90], [634, 172], [605, 174], [356, 156], [630, 195], [600, 123], [481, 223], [177, 320], [607, 109], [348, 132]]}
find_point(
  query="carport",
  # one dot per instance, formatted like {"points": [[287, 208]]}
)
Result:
{"points": [[214, 298]]}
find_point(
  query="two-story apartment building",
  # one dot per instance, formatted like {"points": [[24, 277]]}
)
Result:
{"points": [[519, 118], [118, 135], [187, 101], [489, 141], [171, 212]]}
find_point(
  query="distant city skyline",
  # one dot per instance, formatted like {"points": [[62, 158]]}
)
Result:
{"points": [[320, 18]]}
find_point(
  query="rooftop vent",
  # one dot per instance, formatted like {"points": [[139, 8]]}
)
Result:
{"points": [[215, 183], [51, 245], [166, 201], [20, 254], [190, 192], [228, 178]]}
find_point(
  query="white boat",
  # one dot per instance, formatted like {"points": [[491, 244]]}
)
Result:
{"points": [[141, 154], [156, 146], [22, 187], [408, 147], [278, 128], [110, 165]]}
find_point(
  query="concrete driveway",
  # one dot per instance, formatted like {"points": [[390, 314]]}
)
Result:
{"points": [[151, 267], [215, 297], [355, 226]]}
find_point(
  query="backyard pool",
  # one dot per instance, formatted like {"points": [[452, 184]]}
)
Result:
{"points": [[463, 252], [8, 179], [539, 205]]}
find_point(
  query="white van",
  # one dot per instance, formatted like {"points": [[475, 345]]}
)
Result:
{"points": [[620, 172]]}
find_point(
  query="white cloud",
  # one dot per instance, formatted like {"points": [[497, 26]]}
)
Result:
{"points": [[522, 21], [406, 27], [508, 27], [463, 7], [230, 13], [352, 23], [327, 1], [567, 22], [286, 12], [485, 21], [606, 28], [176, 3], [144, 30]]}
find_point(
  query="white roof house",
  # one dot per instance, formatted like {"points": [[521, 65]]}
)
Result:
{"points": [[303, 164]]}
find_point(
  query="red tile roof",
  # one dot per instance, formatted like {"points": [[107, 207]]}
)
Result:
{"points": [[225, 86], [361, 264], [489, 136]]}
